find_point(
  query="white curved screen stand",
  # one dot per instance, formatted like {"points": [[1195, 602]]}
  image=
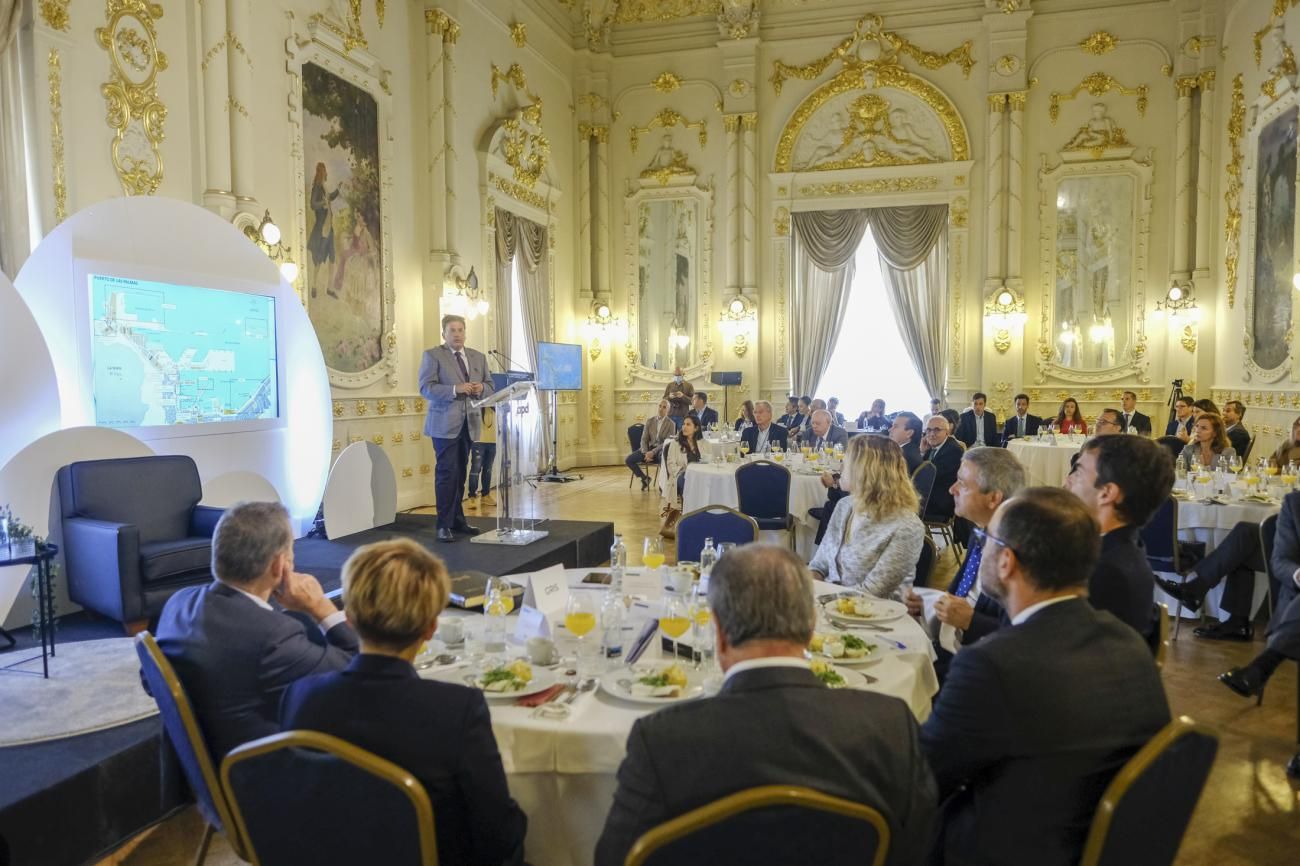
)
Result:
{"points": [[361, 492]]}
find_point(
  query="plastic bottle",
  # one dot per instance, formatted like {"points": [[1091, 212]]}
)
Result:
{"points": [[708, 556], [617, 564], [612, 613]]}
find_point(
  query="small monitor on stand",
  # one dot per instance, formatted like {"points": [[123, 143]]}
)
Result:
{"points": [[726, 380], [559, 368]]}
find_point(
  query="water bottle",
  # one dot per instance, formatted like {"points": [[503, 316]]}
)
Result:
{"points": [[613, 611], [494, 630], [617, 564], [708, 556]]}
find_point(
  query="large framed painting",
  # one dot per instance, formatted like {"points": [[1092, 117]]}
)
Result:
{"points": [[1271, 244], [341, 146]]}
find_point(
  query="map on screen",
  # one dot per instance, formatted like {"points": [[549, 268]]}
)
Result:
{"points": [[164, 354], [559, 367]]}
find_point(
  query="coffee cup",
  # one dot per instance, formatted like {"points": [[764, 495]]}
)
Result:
{"points": [[451, 631], [542, 651]]}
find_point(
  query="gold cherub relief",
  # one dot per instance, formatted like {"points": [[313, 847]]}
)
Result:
{"points": [[1099, 133], [667, 162], [875, 133]]}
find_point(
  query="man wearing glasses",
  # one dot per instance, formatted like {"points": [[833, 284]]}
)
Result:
{"points": [[1109, 423], [945, 453]]}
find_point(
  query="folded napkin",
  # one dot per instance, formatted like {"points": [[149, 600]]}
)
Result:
{"points": [[541, 697]]}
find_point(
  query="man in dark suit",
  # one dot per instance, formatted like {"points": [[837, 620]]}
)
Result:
{"points": [[976, 426], [1233, 413], [907, 432], [1036, 718], [439, 732], [1122, 480], [232, 650], [764, 434], [945, 453], [1132, 419], [1021, 425], [450, 377], [791, 415], [860, 746], [1181, 425], [700, 404], [821, 432]]}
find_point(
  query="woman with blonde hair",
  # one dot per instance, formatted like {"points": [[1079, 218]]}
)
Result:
{"points": [[393, 592], [874, 538], [1209, 443]]}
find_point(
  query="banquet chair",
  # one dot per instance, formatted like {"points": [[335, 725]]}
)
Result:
{"points": [[763, 493], [1145, 810], [923, 480], [769, 824], [1165, 553], [712, 521], [1174, 446], [186, 739], [376, 812], [1158, 639], [1250, 446], [944, 527], [1267, 535], [926, 561]]}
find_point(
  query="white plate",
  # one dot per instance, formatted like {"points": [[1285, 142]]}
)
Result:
{"points": [[617, 683], [883, 610], [541, 681], [852, 679]]}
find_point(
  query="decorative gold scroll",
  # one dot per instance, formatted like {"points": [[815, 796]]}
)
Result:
{"points": [[1232, 196], [667, 118], [135, 113], [1098, 84]]}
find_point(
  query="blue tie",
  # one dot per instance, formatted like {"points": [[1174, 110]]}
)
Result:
{"points": [[971, 571]]}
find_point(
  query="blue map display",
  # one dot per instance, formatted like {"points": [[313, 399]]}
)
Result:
{"points": [[559, 366], [163, 354]]}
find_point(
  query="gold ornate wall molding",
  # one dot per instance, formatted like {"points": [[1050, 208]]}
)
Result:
{"points": [[1098, 84], [519, 33], [665, 119], [54, 73], [55, 14], [666, 82], [1098, 43], [1232, 195], [135, 113], [440, 23]]}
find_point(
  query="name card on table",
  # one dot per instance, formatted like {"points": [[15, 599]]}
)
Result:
{"points": [[546, 595]]}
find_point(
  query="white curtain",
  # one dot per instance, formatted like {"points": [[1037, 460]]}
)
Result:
{"points": [[824, 245], [15, 230], [521, 248], [913, 247]]}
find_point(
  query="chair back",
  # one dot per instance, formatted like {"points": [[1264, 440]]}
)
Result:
{"points": [[1174, 446], [712, 521], [186, 738], [926, 561], [1160, 537], [1146, 808], [1250, 446], [923, 480], [763, 490], [771, 824], [284, 784], [156, 494], [634, 434], [1158, 636]]}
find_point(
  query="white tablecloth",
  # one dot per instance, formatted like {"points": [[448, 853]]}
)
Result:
{"points": [[1046, 465], [716, 451], [715, 484], [562, 772]]}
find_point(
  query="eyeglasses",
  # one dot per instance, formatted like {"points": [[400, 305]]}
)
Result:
{"points": [[1101, 421], [933, 429], [986, 537]]}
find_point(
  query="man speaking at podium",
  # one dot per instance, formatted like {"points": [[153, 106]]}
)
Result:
{"points": [[450, 377]]}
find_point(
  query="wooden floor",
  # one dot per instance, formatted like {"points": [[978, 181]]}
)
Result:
{"points": [[1249, 814]]}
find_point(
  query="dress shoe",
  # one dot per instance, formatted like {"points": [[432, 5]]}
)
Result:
{"points": [[1238, 631], [1180, 591], [1293, 766], [1244, 681], [445, 536], [645, 482], [817, 513], [464, 528]]}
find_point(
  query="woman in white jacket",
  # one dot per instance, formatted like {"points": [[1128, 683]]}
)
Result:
{"points": [[678, 454]]}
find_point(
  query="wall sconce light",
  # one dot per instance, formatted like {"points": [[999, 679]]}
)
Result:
{"points": [[1004, 309], [1178, 299], [738, 322], [267, 237], [460, 295], [601, 326]]}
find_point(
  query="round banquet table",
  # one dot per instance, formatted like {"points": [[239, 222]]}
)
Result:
{"points": [[1046, 464], [715, 484], [1210, 523], [562, 772], [716, 450]]}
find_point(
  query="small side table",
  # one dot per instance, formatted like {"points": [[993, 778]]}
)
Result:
{"points": [[44, 605]]}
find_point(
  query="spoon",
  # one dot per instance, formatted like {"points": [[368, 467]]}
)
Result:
{"points": [[441, 659]]}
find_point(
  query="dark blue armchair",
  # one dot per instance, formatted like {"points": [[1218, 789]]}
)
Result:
{"points": [[134, 533]]}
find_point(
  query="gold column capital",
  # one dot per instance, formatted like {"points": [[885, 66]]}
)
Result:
{"points": [[442, 24], [997, 103], [1016, 100]]}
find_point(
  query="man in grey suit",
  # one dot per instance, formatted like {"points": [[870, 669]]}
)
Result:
{"points": [[857, 745], [234, 651], [822, 432], [450, 377]]}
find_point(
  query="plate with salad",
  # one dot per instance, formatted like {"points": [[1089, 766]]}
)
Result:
{"points": [[663, 683], [514, 679], [846, 648], [833, 676]]}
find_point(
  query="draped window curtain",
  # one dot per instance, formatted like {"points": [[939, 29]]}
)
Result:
{"points": [[516, 236], [913, 262], [15, 229]]}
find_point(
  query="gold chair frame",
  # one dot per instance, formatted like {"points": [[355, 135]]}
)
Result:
{"points": [[1162, 651], [344, 751], [757, 798]]}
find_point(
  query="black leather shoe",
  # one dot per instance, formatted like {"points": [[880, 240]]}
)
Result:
{"points": [[1180, 591], [1244, 681], [464, 528], [445, 536], [1293, 766], [1238, 631], [645, 482]]}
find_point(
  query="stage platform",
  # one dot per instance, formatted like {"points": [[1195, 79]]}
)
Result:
{"points": [[68, 802]]}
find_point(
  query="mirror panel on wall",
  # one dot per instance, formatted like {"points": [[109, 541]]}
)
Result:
{"points": [[668, 243]]}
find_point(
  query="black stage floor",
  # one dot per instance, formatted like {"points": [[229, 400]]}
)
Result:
{"points": [[70, 801]]}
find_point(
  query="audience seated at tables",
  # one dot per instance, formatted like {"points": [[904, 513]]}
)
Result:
{"points": [[833, 406], [1122, 480], [976, 426], [439, 732], [791, 415], [1181, 424], [1131, 418], [1232, 562], [746, 416], [1233, 412], [658, 430], [764, 434], [1069, 419], [803, 416], [953, 418], [874, 538], [707, 415], [987, 478], [1021, 424], [1209, 443], [235, 652], [945, 453], [1109, 422], [907, 431], [821, 432], [773, 723], [679, 453], [1036, 718], [1289, 451], [874, 419]]}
